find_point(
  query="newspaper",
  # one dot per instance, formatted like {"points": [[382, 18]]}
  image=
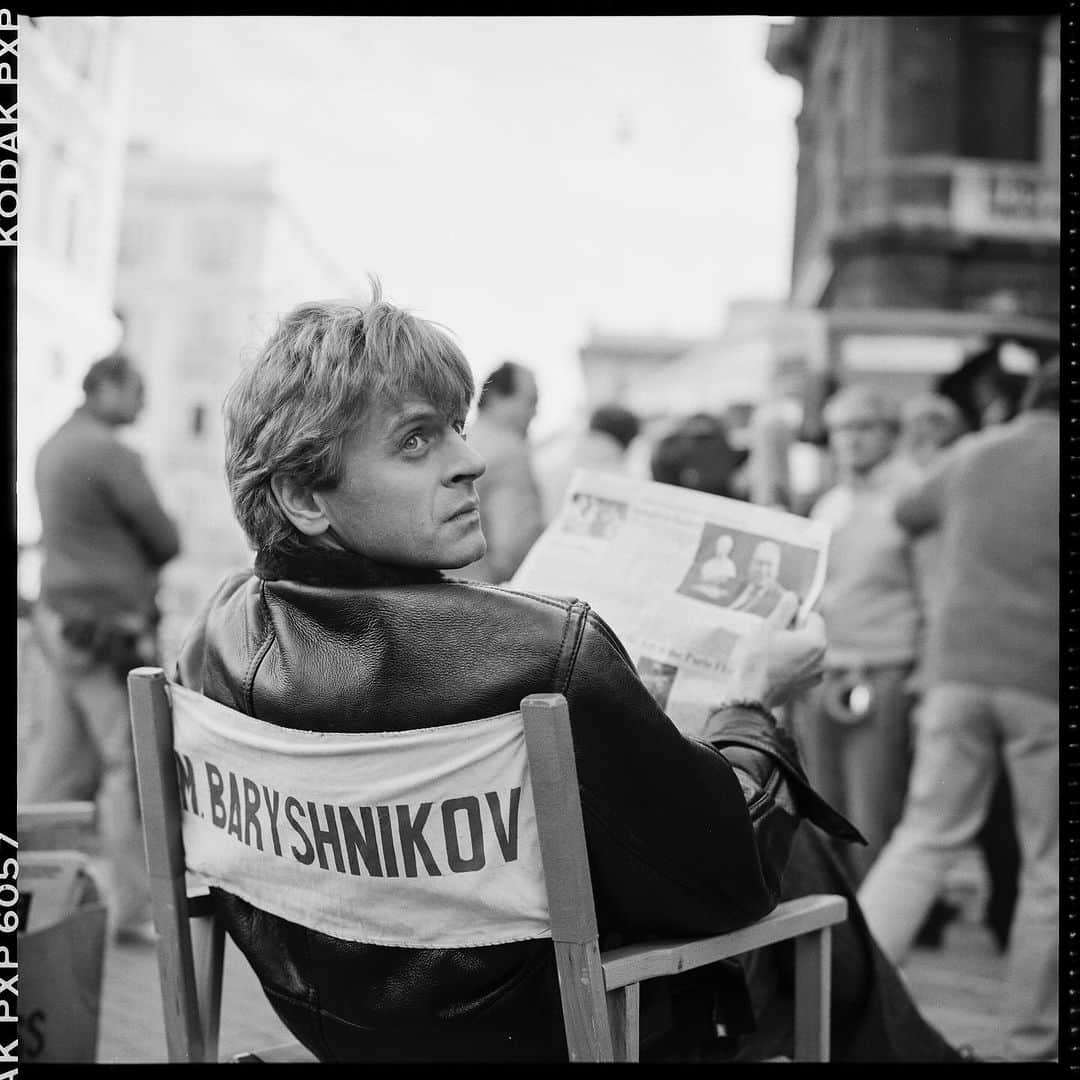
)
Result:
{"points": [[678, 575]]}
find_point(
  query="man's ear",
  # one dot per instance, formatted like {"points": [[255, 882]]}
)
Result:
{"points": [[300, 505]]}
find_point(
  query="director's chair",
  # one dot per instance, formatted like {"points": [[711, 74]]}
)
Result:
{"points": [[599, 991]]}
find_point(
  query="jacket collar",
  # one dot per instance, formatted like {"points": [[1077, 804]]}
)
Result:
{"points": [[338, 569]]}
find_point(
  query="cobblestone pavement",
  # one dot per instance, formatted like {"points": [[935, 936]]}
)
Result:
{"points": [[957, 988]]}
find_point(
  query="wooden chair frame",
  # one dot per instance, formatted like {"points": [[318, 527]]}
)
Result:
{"points": [[600, 992]]}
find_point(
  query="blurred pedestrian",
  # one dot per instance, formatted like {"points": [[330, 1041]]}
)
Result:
{"points": [[697, 454], [771, 435], [104, 537], [930, 423], [983, 390], [993, 700], [601, 447], [854, 727], [511, 508]]}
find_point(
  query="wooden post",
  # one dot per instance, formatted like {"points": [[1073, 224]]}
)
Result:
{"points": [[208, 946], [813, 985], [624, 1016], [553, 777], [151, 723]]}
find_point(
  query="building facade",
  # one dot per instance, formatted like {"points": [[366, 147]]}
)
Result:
{"points": [[74, 79], [613, 365], [210, 256], [763, 348], [927, 217]]}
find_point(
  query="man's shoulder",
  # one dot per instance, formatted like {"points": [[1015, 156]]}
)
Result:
{"points": [[899, 471], [461, 605], [830, 501], [1001, 450], [457, 592], [87, 440]]}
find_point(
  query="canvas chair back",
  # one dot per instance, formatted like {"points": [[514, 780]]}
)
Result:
{"points": [[456, 836], [427, 838]]}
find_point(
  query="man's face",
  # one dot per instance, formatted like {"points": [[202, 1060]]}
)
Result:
{"points": [[858, 437], [406, 496], [122, 400], [764, 565]]}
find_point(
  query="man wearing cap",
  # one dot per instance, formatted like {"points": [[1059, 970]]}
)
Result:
{"points": [[854, 728]]}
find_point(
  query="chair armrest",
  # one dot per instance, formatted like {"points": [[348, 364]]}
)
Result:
{"points": [[636, 963]]}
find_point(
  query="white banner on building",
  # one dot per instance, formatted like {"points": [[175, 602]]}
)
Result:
{"points": [[423, 838], [679, 575]]}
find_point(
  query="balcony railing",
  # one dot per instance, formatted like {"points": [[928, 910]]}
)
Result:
{"points": [[971, 197]]}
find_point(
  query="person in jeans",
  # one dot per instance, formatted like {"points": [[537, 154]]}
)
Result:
{"points": [[993, 701], [854, 729], [104, 537]]}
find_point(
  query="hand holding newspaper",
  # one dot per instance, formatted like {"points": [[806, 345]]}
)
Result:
{"points": [[679, 575]]}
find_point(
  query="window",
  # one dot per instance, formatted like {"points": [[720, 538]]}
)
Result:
{"points": [[999, 115]]}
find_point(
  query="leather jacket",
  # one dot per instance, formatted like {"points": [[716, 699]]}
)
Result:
{"points": [[329, 641]]}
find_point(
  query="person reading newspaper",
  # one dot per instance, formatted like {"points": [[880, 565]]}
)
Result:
{"points": [[350, 472]]}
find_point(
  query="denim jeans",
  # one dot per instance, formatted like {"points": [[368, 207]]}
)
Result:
{"points": [[964, 733], [80, 747], [861, 768]]}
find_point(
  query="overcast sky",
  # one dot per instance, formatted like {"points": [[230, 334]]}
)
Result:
{"points": [[518, 179]]}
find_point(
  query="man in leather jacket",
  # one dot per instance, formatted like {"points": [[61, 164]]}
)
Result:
{"points": [[350, 473]]}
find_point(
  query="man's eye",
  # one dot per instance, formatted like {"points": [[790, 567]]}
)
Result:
{"points": [[415, 441], [459, 427]]}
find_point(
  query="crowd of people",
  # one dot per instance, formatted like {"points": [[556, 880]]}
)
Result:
{"points": [[378, 526]]}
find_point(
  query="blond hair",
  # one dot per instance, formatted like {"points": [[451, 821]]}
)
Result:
{"points": [[310, 385]]}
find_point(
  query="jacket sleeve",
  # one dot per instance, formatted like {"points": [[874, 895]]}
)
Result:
{"points": [[130, 491], [674, 848], [767, 760]]}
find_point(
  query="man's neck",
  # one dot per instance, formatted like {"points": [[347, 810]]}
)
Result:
{"points": [[861, 478], [94, 412]]}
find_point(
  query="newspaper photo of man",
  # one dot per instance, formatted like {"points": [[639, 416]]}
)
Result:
{"points": [[747, 572], [761, 594]]}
